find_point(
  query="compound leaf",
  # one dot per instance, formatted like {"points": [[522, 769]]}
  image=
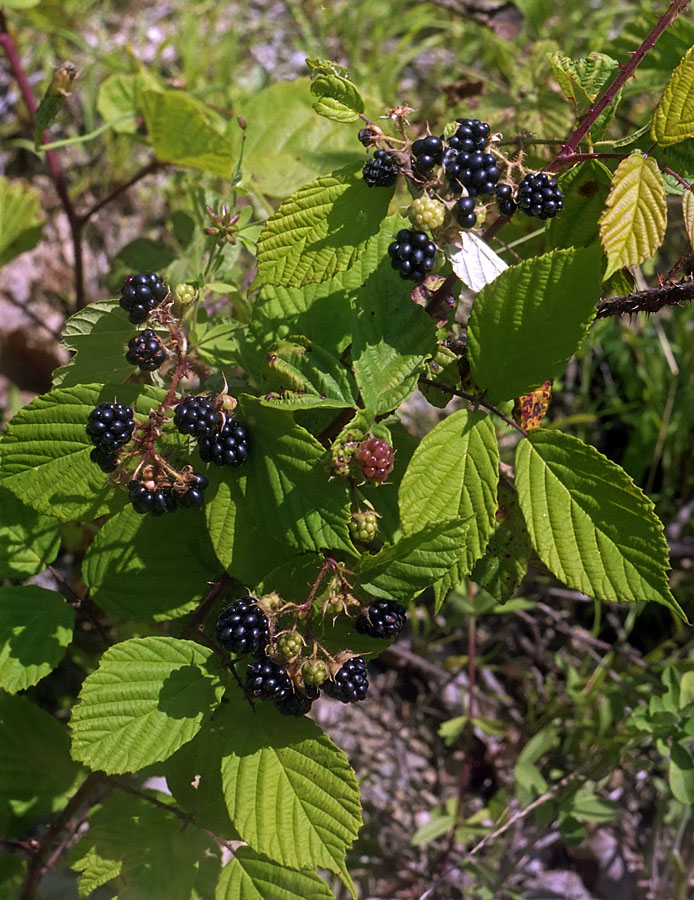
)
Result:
{"points": [[147, 697], [525, 325], [673, 119], [250, 876], [590, 524], [35, 630], [632, 227], [28, 540]]}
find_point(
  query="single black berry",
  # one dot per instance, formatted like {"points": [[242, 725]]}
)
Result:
{"points": [[107, 462], [412, 254], [540, 196], [383, 619], [379, 171], [243, 627], [295, 705], [366, 136], [145, 350], [226, 446], [155, 501], [465, 212], [196, 416], [265, 680], [140, 294], [504, 199], [193, 496], [110, 426], [351, 682], [427, 152]]}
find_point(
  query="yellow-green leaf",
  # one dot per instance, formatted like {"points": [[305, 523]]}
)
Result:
{"points": [[632, 226], [673, 120], [688, 213]]}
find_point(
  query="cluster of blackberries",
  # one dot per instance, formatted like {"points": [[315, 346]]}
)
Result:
{"points": [[109, 426], [222, 443], [470, 135], [539, 195], [380, 171], [375, 458], [163, 498], [145, 350], [412, 254], [476, 172], [383, 619], [140, 294]]}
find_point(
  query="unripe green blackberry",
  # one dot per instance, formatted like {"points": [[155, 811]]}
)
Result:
{"points": [[363, 526], [427, 213], [289, 645], [184, 293], [315, 672]]}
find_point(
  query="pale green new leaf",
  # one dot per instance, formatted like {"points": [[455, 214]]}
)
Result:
{"points": [[98, 334], [182, 131], [35, 630], [583, 80], [454, 474], [20, 218], [592, 527], [632, 227], [320, 230], [528, 322], [117, 96], [290, 791], [673, 119], [28, 540], [250, 876], [338, 99], [688, 213], [44, 456], [414, 562], [147, 697]]}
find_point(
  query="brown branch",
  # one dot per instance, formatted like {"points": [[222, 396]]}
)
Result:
{"points": [[120, 189], [648, 301]]}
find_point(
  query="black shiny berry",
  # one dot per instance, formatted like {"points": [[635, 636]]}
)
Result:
{"points": [[379, 171], [465, 212], [427, 152], [154, 502], [140, 294], [196, 416], [110, 426], [540, 196], [193, 497], [297, 704], [243, 627], [226, 446], [107, 462], [145, 350], [383, 619], [265, 680], [351, 682]]}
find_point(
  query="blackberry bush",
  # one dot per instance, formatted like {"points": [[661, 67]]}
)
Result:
{"points": [[243, 627], [539, 195], [351, 682], [225, 446], [110, 426], [383, 619], [380, 171], [427, 213], [265, 680], [412, 254], [145, 350], [196, 416], [375, 458], [140, 294]]}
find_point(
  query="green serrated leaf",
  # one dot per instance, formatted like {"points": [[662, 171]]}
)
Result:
{"points": [[673, 119], [36, 772], [172, 688], [301, 369], [35, 630], [508, 552], [182, 131], [414, 562], [45, 453], [142, 568], [585, 190], [392, 338], [250, 876], [526, 324], [28, 540], [338, 99], [302, 505], [633, 224], [98, 334], [589, 523], [583, 80], [454, 474], [290, 791], [20, 218], [320, 230]]}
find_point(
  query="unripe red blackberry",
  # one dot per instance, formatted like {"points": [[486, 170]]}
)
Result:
{"points": [[375, 458]]}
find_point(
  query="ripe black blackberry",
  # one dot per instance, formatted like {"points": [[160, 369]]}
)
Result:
{"points": [[226, 446], [383, 619], [465, 212], [375, 458], [196, 416], [145, 350], [477, 172], [243, 627], [110, 426], [427, 152], [193, 497], [107, 462], [155, 502], [297, 704], [470, 135], [412, 254], [379, 171], [504, 200], [265, 680], [539, 195], [140, 294], [351, 682], [366, 136]]}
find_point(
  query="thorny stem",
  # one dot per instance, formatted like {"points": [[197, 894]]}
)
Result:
{"points": [[648, 301]]}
